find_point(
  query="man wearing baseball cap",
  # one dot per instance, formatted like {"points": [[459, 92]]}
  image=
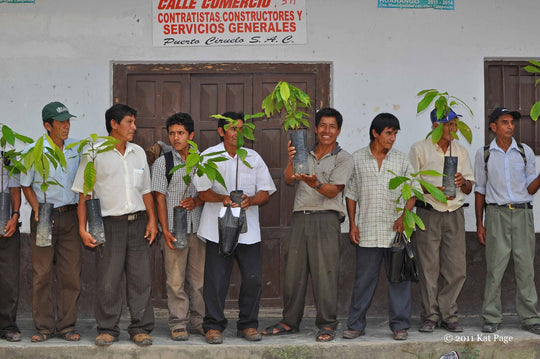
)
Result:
{"points": [[506, 178], [441, 247], [65, 253]]}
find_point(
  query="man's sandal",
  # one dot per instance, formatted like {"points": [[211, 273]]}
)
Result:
{"points": [[39, 337], [278, 329], [325, 334], [71, 336]]}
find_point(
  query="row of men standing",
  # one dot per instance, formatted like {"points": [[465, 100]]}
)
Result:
{"points": [[124, 187]]}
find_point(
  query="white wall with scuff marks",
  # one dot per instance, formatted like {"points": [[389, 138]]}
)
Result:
{"points": [[63, 50]]}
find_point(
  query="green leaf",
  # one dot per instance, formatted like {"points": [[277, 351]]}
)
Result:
{"points": [[532, 69], [434, 191], [419, 195], [535, 111], [192, 160], [534, 62], [437, 133], [284, 90], [418, 221], [465, 130], [426, 101], [425, 91], [23, 138], [428, 173], [89, 178], [408, 219], [397, 181], [406, 191], [8, 135]]}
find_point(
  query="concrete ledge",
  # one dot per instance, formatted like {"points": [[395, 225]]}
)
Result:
{"points": [[509, 342]]}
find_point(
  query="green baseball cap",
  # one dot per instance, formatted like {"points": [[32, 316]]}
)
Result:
{"points": [[57, 111]]}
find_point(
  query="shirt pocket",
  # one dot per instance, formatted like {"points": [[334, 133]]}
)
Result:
{"points": [[138, 178], [246, 183]]}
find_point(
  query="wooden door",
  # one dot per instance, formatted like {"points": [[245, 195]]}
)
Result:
{"points": [[158, 91]]}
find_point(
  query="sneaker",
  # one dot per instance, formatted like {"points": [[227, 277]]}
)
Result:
{"points": [[428, 326], [142, 339], [401, 334], [453, 327], [105, 339], [490, 327], [533, 328], [353, 334], [213, 336], [251, 334], [179, 334]]}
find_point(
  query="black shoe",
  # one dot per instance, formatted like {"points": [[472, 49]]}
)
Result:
{"points": [[11, 335], [428, 326], [533, 328], [453, 327], [490, 327]]}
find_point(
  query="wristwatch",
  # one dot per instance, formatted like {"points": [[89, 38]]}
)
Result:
{"points": [[319, 185]]}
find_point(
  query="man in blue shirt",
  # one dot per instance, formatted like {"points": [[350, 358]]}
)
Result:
{"points": [[66, 249], [505, 172]]}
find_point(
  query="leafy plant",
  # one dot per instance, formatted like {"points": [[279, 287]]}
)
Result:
{"points": [[200, 165], [293, 100], [245, 132], [411, 219], [92, 146], [42, 157], [443, 103], [534, 68], [9, 159]]}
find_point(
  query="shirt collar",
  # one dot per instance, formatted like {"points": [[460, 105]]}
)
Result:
{"points": [[494, 146], [334, 152]]}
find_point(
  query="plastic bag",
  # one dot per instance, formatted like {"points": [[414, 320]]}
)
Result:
{"points": [[229, 227]]}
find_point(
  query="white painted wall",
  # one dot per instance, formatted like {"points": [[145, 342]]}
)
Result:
{"points": [[63, 49]]}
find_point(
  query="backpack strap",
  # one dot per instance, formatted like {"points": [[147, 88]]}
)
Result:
{"points": [[522, 153], [169, 164]]}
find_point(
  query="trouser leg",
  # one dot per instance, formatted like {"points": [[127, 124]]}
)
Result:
{"points": [[399, 300], [323, 257], [249, 263], [523, 248], [498, 248], [9, 280], [368, 264], [42, 299], [110, 260], [195, 280], [217, 274], [427, 246], [175, 261], [453, 264], [296, 272], [139, 278], [68, 255]]}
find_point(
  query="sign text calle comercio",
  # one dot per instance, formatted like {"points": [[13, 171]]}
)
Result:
{"points": [[228, 22]]}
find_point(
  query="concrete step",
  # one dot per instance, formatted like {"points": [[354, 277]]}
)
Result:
{"points": [[509, 342]]}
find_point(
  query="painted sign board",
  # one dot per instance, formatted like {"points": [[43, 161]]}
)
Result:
{"points": [[228, 22]]}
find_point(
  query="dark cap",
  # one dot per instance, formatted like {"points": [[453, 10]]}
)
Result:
{"points": [[499, 111], [57, 111], [450, 115]]}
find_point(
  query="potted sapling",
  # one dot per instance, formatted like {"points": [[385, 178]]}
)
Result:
{"points": [[11, 164], [534, 68], [196, 164], [443, 112], [245, 132], [295, 102], [91, 147], [42, 157]]}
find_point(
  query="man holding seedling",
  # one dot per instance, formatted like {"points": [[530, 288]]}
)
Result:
{"points": [[123, 186], [66, 249], [257, 184], [184, 267], [441, 247], [314, 241]]}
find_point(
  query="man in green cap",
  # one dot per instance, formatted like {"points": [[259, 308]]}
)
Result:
{"points": [[65, 253]]}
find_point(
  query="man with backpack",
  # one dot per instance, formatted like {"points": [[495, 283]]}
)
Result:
{"points": [[184, 267], [506, 181]]}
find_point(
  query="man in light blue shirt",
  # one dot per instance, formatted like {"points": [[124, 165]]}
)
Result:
{"points": [[506, 181], [66, 249]]}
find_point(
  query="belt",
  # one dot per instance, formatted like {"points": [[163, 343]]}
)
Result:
{"points": [[527, 205], [66, 208], [317, 212], [420, 204], [130, 217]]}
